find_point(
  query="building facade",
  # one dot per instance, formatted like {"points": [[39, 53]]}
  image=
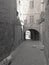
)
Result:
{"points": [[36, 7], [34, 11]]}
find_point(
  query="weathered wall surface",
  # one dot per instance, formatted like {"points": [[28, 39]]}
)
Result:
{"points": [[6, 39], [7, 19], [10, 34], [17, 35], [46, 33]]}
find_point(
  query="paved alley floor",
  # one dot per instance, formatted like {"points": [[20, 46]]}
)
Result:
{"points": [[29, 53]]}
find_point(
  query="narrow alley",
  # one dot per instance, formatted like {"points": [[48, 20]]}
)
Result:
{"points": [[29, 53], [24, 32]]}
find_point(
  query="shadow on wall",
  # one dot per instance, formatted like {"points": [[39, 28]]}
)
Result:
{"points": [[35, 35]]}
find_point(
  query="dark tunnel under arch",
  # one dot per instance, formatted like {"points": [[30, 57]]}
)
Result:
{"points": [[35, 35]]}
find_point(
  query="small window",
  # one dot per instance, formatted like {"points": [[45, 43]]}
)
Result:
{"points": [[48, 2], [31, 19], [31, 4]]}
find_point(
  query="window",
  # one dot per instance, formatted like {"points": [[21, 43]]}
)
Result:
{"points": [[48, 2], [31, 4], [31, 19]]}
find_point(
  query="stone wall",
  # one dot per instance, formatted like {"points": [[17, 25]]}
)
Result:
{"points": [[10, 33], [6, 39], [46, 34]]}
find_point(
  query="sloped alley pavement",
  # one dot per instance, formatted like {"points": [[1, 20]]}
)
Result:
{"points": [[29, 53]]}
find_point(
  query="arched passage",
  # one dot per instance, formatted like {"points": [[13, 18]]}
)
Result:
{"points": [[34, 34]]}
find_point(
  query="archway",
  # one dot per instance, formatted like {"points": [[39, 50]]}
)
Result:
{"points": [[34, 34]]}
